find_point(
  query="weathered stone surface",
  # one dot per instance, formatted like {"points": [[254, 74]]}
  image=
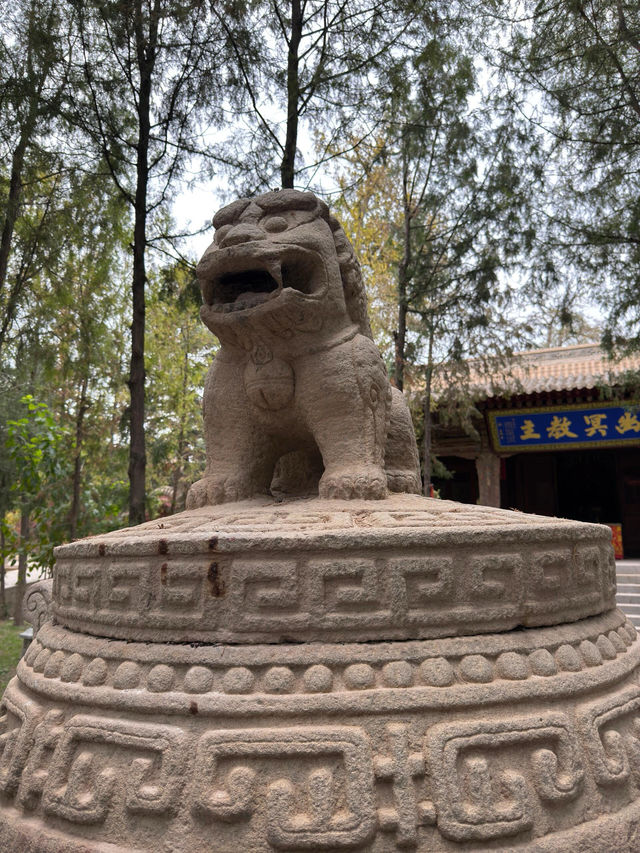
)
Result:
{"points": [[297, 369], [321, 674], [36, 607], [323, 570], [360, 746]]}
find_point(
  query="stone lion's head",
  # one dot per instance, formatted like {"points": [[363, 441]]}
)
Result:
{"points": [[280, 248]]}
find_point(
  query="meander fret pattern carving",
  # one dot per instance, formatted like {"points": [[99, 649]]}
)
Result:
{"points": [[79, 765], [308, 596], [17, 724], [261, 519], [161, 676], [325, 787], [611, 731], [338, 783], [485, 795]]}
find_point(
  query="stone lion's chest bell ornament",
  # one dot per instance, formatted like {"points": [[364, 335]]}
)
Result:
{"points": [[361, 670]]}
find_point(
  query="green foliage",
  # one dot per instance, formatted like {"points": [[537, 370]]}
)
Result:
{"points": [[33, 444], [438, 194], [451, 194], [573, 68], [180, 351], [368, 208], [143, 76], [307, 68], [68, 344], [10, 649]]}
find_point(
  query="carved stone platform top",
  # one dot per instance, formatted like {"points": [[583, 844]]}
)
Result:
{"points": [[405, 567]]}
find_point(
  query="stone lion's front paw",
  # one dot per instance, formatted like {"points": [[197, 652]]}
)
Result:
{"points": [[404, 481], [366, 483], [218, 490]]}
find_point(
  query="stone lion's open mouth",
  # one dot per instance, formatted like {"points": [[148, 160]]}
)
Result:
{"points": [[235, 279], [245, 289]]}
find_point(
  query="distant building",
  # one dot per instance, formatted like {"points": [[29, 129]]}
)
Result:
{"points": [[560, 436]]}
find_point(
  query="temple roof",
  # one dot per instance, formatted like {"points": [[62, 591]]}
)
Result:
{"points": [[554, 369]]}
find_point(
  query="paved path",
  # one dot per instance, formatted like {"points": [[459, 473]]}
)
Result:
{"points": [[628, 597], [11, 576]]}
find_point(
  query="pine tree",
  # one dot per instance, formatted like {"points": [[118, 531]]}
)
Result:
{"points": [[34, 61], [459, 211], [307, 67], [146, 74], [573, 67]]}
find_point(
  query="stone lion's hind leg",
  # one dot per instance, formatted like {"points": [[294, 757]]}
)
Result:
{"points": [[298, 472], [401, 452]]}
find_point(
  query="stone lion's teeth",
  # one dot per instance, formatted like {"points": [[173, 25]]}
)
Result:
{"points": [[274, 268]]}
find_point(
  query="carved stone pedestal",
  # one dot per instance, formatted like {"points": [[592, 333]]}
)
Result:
{"points": [[406, 674]]}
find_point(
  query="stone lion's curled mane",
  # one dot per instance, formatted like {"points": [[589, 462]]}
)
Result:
{"points": [[354, 293]]}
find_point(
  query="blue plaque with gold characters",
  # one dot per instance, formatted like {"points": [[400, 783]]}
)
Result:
{"points": [[565, 427]]}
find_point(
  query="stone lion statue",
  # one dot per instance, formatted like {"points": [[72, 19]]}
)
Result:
{"points": [[298, 388]]}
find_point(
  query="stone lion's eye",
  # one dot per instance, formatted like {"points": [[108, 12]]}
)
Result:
{"points": [[274, 224], [221, 233]]}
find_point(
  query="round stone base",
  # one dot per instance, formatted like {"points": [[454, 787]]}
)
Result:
{"points": [[332, 571], [426, 745], [616, 833]]}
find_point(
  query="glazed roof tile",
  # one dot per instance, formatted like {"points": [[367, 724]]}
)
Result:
{"points": [[554, 369]]}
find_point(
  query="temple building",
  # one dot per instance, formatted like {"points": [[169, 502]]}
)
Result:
{"points": [[559, 437]]}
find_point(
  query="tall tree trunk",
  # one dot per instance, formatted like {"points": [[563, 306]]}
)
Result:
{"points": [[21, 583], [400, 334], [12, 206], [12, 300], [10, 303], [287, 167], [77, 463], [15, 180], [137, 453], [488, 471], [3, 592], [426, 449]]}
